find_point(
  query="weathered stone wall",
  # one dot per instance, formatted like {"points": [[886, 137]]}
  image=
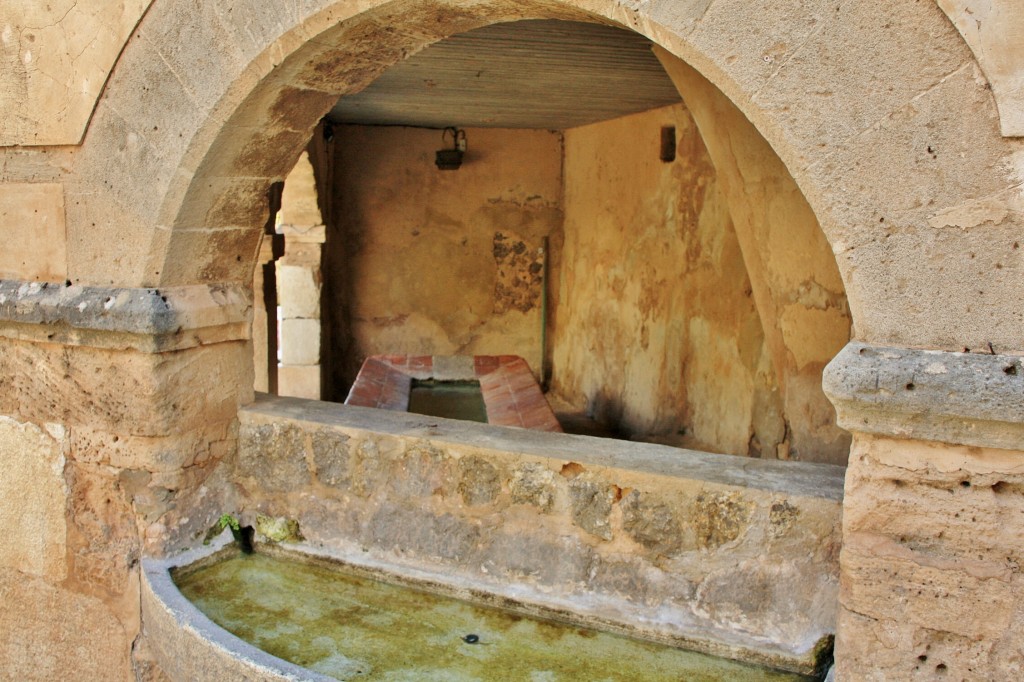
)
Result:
{"points": [[933, 543], [42, 602], [735, 559], [932, 539], [116, 421], [794, 279], [908, 175], [672, 319], [430, 262]]}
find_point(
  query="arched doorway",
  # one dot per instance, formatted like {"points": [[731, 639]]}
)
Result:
{"points": [[176, 175]]}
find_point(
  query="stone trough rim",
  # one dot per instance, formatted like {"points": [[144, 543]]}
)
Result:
{"points": [[249, 659]]}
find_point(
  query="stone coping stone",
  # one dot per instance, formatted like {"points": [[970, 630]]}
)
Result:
{"points": [[805, 479]]}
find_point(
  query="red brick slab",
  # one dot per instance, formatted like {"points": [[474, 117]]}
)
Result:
{"points": [[510, 392]]}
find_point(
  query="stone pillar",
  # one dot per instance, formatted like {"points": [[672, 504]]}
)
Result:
{"points": [[933, 516], [299, 283], [116, 407], [264, 324]]}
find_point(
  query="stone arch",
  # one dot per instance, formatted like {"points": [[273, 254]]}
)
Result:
{"points": [[185, 140]]}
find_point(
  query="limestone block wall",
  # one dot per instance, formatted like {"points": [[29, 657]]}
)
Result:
{"points": [[299, 278], [430, 262], [738, 560], [932, 532], [56, 60], [117, 405]]}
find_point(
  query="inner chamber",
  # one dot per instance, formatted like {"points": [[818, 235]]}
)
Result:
{"points": [[614, 220]]}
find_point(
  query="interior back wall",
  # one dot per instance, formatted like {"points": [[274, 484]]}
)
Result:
{"points": [[424, 261]]}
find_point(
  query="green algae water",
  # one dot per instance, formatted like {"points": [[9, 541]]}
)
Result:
{"points": [[355, 628], [448, 399]]}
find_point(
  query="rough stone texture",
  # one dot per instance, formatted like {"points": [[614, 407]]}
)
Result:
{"points": [[411, 270], [971, 398], [780, 602], [47, 631], [591, 501], [995, 33], [652, 523], [525, 556], [273, 456], [480, 482], [104, 546], [534, 484], [331, 457], [408, 530], [715, 545], [33, 494], [719, 518], [144, 319], [372, 464], [128, 393], [426, 470], [926, 593], [36, 250]]}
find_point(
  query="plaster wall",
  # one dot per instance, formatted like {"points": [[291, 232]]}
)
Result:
{"points": [[428, 262], [654, 293], [670, 322], [794, 279]]}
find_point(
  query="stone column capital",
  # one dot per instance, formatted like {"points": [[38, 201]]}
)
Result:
{"points": [[149, 320], [959, 398]]}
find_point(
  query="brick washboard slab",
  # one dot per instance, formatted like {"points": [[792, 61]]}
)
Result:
{"points": [[510, 392]]}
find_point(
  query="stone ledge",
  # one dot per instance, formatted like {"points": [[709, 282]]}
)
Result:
{"points": [[805, 479], [145, 319], [961, 398]]}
